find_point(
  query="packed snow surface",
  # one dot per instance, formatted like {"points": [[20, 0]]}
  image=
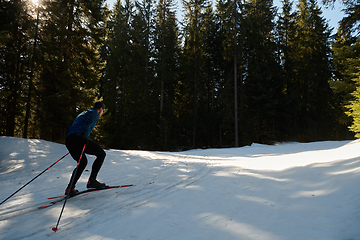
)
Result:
{"points": [[287, 191]]}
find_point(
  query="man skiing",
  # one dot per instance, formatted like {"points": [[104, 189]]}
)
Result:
{"points": [[78, 135]]}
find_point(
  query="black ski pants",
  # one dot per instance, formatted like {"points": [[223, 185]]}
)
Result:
{"points": [[75, 144]]}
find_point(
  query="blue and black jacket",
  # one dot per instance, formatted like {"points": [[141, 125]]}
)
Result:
{"points": [[84, 123]]}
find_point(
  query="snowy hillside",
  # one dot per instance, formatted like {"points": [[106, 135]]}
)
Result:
{"points": [[288, 191]]}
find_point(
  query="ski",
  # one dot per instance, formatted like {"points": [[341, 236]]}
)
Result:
{"points": [[62, 198], [94, 190]]}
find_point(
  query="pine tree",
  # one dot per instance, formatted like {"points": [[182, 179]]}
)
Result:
{"points": [[354, 106], [140, 101], [128, 79], [15, 56], [192, 69], [350, 23], [70, 66], [116, 52], [263, 84], [311, 54], [30, 121], [210, 86], [230, 29], [345, 58], [345, 55], [286, 30], [167, 50]]}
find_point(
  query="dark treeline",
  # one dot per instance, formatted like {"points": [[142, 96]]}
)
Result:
{"points": [[228, 74]]}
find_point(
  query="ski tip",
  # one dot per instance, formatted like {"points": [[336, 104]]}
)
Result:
{"points": [[41, 207], [56, 197], [123, 186], [54, 229]]}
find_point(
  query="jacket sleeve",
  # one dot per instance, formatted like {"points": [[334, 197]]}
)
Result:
{"points": [[90, 121]]}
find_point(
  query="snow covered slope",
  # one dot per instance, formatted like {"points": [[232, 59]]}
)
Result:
{"points": [[291, 191]]}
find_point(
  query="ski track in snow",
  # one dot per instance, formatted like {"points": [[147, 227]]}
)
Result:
{"points": [[163, 172], [285, 192]]}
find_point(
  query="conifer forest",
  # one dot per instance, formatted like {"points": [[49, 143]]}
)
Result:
{"points": [[228, 73]]}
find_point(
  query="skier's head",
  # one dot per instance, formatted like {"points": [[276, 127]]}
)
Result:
{"points": [[100, 107]]}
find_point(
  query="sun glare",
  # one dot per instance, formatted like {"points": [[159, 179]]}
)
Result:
{"points": [[35, 2], [34, 7]]}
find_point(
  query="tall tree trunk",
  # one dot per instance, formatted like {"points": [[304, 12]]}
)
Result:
{"points": [[235, 82], [32, 69]]}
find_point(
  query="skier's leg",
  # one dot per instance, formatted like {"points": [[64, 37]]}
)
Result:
{"points": [[81, 168], [74, 144], [95, 149]]}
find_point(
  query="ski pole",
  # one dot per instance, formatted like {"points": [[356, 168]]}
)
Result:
{"points": [[34, 178], [71, 183]]}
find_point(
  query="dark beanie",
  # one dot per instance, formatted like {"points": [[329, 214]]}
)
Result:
{"points": [[99, 105]]}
